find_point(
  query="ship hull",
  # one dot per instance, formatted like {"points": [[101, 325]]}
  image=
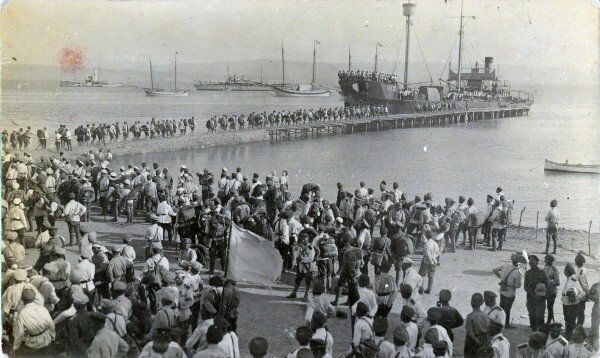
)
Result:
{"points": [[383, 94], [571, 168], [284, 92], [232, 87], [210, 86], [70, 84], [164, 93], [249, 88]]}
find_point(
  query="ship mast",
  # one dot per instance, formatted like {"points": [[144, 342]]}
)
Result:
{"points": [[151, 75], [282, 65], [261, 73], [460, 39], [314, 61], [175, 71], [349, 58], [376, 45], [408, 9]]}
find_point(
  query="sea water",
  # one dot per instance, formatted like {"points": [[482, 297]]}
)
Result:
{"points": [[469, 160]]}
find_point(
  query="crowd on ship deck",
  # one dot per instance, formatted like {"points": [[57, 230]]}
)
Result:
{"points": [[373, 76], [180, 305]]}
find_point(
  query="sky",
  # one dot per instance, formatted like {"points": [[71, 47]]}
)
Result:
{"points": [[550, 33]]}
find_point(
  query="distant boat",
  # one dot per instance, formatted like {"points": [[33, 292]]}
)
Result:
{"points": [[301, 90], [153, 91], [92, 81], [573, 168], [233, 83]]}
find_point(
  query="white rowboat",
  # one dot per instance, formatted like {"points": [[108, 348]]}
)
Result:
{"points": [[573, 168]]}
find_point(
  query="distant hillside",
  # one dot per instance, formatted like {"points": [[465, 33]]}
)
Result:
{"points": [[298, 71]]}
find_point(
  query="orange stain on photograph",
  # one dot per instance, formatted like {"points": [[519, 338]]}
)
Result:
{"points": [[71, 59], [72, 117]]}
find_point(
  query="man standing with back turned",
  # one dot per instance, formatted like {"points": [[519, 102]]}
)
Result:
{"points": [[552, 219]]}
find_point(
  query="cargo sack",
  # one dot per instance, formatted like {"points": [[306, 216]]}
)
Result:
{"points": [[328, 247], [354, 259], [188, 213]]}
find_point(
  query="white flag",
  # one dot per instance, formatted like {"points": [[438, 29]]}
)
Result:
{"points": [[252, 258]]}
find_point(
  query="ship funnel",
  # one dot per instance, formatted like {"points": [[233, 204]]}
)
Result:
{"points": [[489, 61], [408, 9]]}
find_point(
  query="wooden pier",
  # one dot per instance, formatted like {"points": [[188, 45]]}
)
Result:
{"points": [[397, 121]]}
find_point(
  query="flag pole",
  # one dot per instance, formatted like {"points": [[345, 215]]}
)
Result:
{"points": [[228, 251]]}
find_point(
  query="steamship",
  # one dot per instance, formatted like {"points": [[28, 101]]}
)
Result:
{"points": [[92, 81], [466, 89]]}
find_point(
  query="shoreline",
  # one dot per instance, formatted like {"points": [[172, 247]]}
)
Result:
{"points": [[198, 140]]}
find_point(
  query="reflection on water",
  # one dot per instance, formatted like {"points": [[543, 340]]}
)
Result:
{"points": [[470, 160]]}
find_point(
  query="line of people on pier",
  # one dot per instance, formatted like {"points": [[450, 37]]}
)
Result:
{"points": [[97, 133], [286, 118]]}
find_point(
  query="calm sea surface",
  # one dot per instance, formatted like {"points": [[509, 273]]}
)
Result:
{"points": [[470, 160]]}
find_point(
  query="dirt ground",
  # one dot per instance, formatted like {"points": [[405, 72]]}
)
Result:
{"points": [[266, 312]]}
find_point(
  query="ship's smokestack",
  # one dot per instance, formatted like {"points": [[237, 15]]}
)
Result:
{"points": [[489, 61]]}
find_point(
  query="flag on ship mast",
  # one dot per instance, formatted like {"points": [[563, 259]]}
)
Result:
{"points": [[317, 42], [379, 44], [252, 258]]}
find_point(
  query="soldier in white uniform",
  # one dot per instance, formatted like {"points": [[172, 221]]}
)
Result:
{"points": [[555, 344], [492, 309], [498, 342]]}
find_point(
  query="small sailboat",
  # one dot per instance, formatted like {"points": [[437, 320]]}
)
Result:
{"points": [[301, 90], [572, 168], [153, 91]]}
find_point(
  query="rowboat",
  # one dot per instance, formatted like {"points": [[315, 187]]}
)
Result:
{"points": [[573, 168]]}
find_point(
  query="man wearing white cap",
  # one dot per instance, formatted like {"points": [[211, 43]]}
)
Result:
{"points": [[87, 271], [11, 298], [410, 277], [119, 267], [14, 253], [50, 183], [16, 192], [499, 343], [16, 220], [72, 213], [100, 261]]}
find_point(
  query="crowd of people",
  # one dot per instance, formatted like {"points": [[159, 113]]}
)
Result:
{"points": [[97, 133], [360, 75], [300, 116], [103, 133], [101, 307]]}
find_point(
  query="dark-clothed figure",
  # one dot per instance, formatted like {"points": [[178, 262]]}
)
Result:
{"points": [[477, 325], [553, 283], [536, 283], [450, 317]]}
